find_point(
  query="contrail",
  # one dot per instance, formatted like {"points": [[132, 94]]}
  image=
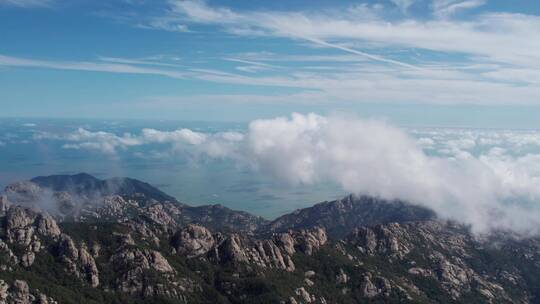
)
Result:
{"points": [[367, 55]]}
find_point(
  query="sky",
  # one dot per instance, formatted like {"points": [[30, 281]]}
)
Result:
{"points": [[435, 102], [415, 62]]}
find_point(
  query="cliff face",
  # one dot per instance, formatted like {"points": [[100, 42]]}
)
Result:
{"points": [[129, 248]]}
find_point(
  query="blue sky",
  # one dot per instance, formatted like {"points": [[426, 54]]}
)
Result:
{"points": [[413, 61]]}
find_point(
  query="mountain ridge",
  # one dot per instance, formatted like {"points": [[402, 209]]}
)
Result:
{"points": [[86, 184], [339, 217], [132, 249]]}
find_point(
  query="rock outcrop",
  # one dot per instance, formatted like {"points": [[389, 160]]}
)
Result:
{"points": [[19, 293], [139, 247], [372, 287], [423, 243], [275, 252], [27, 230], [193, 241], [134, 267], [341, 217], [78, 260]]}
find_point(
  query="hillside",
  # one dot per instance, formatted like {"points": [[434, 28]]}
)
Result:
{"points": [[127, 248]]}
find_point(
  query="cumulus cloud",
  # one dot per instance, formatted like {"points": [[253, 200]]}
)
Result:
{"points": [[106, 142], [214, 145], [487, 179], [184, 135], [494, 191]]}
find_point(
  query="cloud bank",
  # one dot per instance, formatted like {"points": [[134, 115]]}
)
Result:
{"points": [[491, 192], [489, 180]]}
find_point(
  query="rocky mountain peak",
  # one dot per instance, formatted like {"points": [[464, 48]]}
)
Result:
{"points": [[341, 217], [129, 247], [193, 241]]}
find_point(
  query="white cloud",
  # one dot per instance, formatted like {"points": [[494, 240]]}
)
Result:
{"points": [[518, 75], [501, 37], [105, 142], [291, 25], [28, 3], [445, 8], [251, 66], [89, 66], [170, 25], [489, 179], [499, 59], [403, 5], [481, 141], [492, 57], [425, 143], [182, 135], [216, 145], [371, 157], [143, 61]]}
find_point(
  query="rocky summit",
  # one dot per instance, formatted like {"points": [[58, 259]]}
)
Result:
{"points": [[79, 239]]}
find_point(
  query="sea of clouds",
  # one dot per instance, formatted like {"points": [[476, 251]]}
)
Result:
{"points": [[489, 179]]}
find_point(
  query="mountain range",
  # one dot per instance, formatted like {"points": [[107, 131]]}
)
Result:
{"points": [[79, 239]]}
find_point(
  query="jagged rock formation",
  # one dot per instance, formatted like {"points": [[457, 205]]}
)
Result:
{"points": [[445, 251], [78, 261], [19, 293], [135, 266], [29, 232], [275, 252], [193, 241], [26, 230], [129, 247]]}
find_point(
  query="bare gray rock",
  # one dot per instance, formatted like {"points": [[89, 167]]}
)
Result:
{"points": [[304, 295], [309, 274], [275, 252], [309, 240], [27, 229], [132, 265], [4, 204], [193, 241], [78, 261], [342, 277], [19, 293]]}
